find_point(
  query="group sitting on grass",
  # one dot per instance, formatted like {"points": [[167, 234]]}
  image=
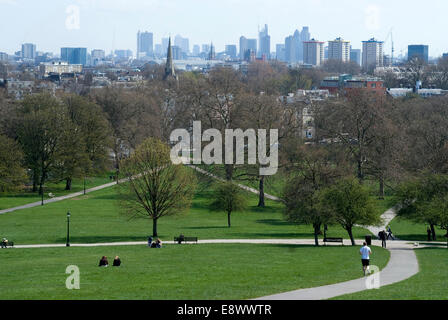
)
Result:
{"points": [[105, 263], [154, 244], [4, 243]]}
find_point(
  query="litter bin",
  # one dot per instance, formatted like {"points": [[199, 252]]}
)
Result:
{"points": [[369, 240]]}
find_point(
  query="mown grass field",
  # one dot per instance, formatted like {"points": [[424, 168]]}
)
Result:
{"points": [[197, 271], [429, 284]]}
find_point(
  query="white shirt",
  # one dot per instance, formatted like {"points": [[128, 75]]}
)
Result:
{"points": [[365, 251]]}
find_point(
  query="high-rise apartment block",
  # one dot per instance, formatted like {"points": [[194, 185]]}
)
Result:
{"points": [[372, 54], [313, 52], [339, 49]]}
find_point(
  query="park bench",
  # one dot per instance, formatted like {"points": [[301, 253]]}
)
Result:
{"points": [[334, 240], [186, 239]]}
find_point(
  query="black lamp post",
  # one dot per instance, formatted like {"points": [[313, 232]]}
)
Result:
{"points": [[68, 230], [42, 190]]}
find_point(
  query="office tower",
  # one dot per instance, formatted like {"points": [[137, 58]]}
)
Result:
{"points": [[304, 36], [418, 51], [231, 50], [3, 56], [98, 54], [182, 43], [28, 51], [339, 49], [313, 52], [205, 48], [158, 49], [445, 55], [372, 54], [355, 55], [196, 50], [264, 43], [176, 52], [144, 44], [74, 55], [165, 42], [123, 54], [248, 47], [280, 52]]}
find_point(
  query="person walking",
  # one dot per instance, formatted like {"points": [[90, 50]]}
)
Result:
{"points": [[428, 231], [365, 253], [389, 234], [382, 237]]}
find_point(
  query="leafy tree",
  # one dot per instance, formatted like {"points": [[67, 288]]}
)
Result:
{"points": [[349, 203], [156, 186], [228, 197], [12, 175]]}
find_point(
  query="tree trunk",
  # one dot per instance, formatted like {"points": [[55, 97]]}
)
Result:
{"points": [[68, 184], [228, 218], [229, 172], [360, 172], [261, 192], [154, 227], [350, 234], [316, 233], [433, 232], [381, 193]]}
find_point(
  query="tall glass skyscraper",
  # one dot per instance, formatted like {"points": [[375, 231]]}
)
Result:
{"points": [[74, 55]]}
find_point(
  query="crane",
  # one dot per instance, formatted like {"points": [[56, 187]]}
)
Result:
{"points": [[390, 35]]}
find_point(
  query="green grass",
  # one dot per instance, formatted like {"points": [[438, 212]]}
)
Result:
{"points": [[9, 200], [428, 284], [95, 218], [203, 271], [405, 229]]}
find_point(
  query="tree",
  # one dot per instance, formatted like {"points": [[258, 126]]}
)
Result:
{"points": [[339, 67], [156, 187], [228, 197], [312, 168], [421, 200], [12, 175], [349, 203]]}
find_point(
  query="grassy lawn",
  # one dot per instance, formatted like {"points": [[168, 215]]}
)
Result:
{"points": [[405, 229], [203, 271], [428, 284], [95, 218], [26, 196]]}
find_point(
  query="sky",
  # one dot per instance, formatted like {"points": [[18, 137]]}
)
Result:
{"points": [[113, 24]]}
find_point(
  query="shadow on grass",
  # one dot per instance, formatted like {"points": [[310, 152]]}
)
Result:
{"points": [[273, 235], [102, 239], [275, 222], [418, 237], [205, 228]]}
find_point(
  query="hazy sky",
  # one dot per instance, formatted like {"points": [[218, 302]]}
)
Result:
{"points": [[113, 24]]}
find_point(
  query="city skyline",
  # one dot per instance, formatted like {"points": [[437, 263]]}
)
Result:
{"points": [[112, 25]]}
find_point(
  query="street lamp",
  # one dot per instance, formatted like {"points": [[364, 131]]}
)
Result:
{"points": [[68, 230]]}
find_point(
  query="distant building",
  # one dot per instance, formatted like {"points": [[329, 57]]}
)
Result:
{"points": [[74, 55], [313, 52], [344, 83], [176, 52], [196, 50], [418, 51], [182, 43], [355, 55], [339, 49], [158, 49], [280, 52], [372, 54], [205, 48], [445, 55], [123, 54], [28, 51], [231, 50], [145, 41], [3, 56], [58, 68], [248, 47], [264, 42], [165, 45]]}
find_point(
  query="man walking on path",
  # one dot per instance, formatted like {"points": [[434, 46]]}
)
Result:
{"points": [[365, 257]]}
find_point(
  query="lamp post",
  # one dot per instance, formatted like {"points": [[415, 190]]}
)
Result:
{"points": [[68, 230], [42, 190], [84, 185]]}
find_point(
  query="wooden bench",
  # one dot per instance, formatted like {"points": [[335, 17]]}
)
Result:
{"points": [[8, 244], [341, 240], [186, 239]]}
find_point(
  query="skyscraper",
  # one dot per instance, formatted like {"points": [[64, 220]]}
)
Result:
{"points": [[313, 52], [280, 52], [339, 49], [372, 54], [196, 50], [144, 44], [182, 43], [231, 50], [355, 55], [28, 51], [418, 51], [304, 36], [74, 55], [248, 47], [294, 45], [264, 43]]}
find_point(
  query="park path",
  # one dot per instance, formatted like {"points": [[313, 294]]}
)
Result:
{"points": [[56, 199]]}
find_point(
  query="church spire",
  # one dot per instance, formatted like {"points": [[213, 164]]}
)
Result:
{"points": [[169, 68]]}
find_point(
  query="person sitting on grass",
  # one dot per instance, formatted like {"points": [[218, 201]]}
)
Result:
{"points": [[104, 262], [4, 243], [158, 243], [117, 262]]}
